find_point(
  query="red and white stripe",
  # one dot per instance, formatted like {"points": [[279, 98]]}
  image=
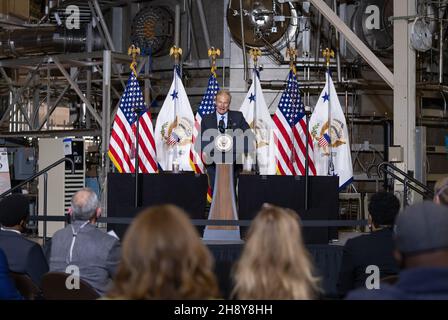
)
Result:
{"points": [[122, 139], [147, 145], [195, 159], [291, 148], [122, 144]]}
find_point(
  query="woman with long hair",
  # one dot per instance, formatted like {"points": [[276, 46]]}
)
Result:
{"points": [[164, 258], [275, 263]]}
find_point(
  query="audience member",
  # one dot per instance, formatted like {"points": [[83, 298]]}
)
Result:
{"points": [[422, 251], [83, 245], [164, 258], [375, 248], [441, 191], [275, 263], [23, 255], [8, 290]]}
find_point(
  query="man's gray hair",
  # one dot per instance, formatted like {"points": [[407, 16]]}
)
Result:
{"points": [[84, 204]]}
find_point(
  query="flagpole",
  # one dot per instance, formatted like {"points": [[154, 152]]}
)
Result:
{"points": [[292, 53], [255, 53], [328, 54], [176, 53], [134, 51]]}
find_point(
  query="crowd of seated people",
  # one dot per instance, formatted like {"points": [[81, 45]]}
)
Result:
{"points": [[163, 257], [275, 264], [375, 248], [23, 255]]}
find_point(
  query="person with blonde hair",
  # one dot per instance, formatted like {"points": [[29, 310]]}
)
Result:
{"points": [[164, 258], [441, 191], [275, 263]]}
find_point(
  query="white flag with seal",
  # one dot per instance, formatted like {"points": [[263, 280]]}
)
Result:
{"points": [[174, 128], [257, 115], [329, 132]]}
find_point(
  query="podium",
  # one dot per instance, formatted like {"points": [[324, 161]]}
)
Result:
{"points": [[289, 192], [223, 206], [185, 190]]}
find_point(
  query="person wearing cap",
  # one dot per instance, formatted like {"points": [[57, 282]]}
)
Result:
{"points": [[23, 255], [421, 240], [375, 248], [441, 191]]}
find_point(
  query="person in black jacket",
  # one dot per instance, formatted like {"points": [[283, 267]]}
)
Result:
{"points": [[23, 255], [219, 122], [375, 248]]}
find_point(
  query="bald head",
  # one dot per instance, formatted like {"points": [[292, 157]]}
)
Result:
{"points": [[84, 204]]}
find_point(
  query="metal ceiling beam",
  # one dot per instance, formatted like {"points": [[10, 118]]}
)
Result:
{"points": [[51, 133], [18, 93], [56, 102], [77, 90], [356, 43]]}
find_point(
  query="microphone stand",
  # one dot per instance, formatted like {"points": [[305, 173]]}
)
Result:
{"points": [[137, 171], [306, 162]]}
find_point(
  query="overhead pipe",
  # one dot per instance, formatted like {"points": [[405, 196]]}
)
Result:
{"points": [[441, 14], [100, 16], [338, 55], [203, 23], [243, 41], [317, 51], [177, 25]]}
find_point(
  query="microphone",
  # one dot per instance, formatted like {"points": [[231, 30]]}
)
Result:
{"points": [[229, 123], [138, 110], [221, 126]]}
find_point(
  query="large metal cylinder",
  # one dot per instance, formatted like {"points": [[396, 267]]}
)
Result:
{"points": [[44, 40]]}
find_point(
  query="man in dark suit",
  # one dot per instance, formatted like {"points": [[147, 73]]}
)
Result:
{"points": [[23, 255], [220, 122], [421, 250], [375, 248]]}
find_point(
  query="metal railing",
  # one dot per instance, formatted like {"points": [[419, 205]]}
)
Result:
{"points": [[408, 181], [43, 172]]}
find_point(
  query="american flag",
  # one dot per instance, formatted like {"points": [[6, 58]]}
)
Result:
{"points": [[206, 106], [173, 139], [290, 138], [324, 140], [123, 138]]}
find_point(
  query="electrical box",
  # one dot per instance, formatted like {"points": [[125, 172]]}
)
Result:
{"points": [[24, 163], [396, 154]]}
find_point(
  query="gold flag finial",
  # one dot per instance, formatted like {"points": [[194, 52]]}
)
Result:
{"points": [[328, 54], [176, 53], [213, 53], [292, 53], [133, 51], [255, 53]]}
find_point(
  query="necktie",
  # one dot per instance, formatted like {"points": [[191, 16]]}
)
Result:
{"points": [[221, 125]]}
